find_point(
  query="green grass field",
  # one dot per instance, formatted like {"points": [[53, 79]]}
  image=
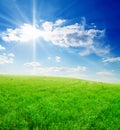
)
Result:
{"points": [[51, 103]]}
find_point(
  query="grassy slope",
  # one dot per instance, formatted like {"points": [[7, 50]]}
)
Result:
{"points": [[49, 103]]}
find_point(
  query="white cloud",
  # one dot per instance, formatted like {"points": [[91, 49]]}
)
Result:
{"points": [[105, 73], [72, 35], [85, 52], [98, 51], [59, 22], [11, 55], [113, 59], [76, 35], [67, 69], [58, 59], [58, 70], [2, 48], [24, 33], [6, 58], [32, 64], [47, 26], [107, 76]]}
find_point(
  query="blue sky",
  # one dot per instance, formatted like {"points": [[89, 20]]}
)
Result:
{"points": [[79, 38]]}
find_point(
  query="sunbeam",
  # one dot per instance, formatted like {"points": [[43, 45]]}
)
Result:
{"points": [[9, 20], [34, 26], [20, 12]]}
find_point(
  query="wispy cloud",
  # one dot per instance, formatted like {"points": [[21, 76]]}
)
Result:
{"points": [[105, 73], [58, 59], [100, 51], [60, 22], [60, 34], [62, 69], [112, 59], [2, 48], [107, 76], [57, 70], [32, 64], [11, 55], [6, 58]]}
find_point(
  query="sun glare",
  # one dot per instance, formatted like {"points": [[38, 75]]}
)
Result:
{"points": [[29, 32]]}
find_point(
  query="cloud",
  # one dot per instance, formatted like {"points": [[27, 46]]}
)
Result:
{"points": [[97, 50], [60, 22], [6, 58], [113, 59], [61, 69], [71, 36], [107, 76], [60, 34], [105, 73], [58, 70], [32, 64], [11, 55], [76, 35], [24, 33], [2, 48], [48, 26], [58, 59]]}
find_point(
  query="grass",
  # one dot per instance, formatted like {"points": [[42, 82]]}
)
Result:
{"points": [[51, 103]]}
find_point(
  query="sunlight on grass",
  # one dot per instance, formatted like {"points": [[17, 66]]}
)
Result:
{"points": [[51, 103]]}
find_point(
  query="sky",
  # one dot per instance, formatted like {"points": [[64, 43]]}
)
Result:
{"points": [[79, 38]]}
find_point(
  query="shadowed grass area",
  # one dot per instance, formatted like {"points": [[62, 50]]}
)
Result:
{"points": [[51, 103]]}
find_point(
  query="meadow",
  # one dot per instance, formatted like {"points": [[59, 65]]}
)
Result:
{"points": [[52, 103]]}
